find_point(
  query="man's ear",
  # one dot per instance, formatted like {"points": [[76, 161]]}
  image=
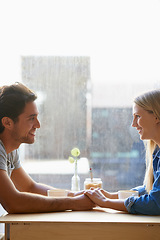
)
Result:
{"points": [[7, 122]]}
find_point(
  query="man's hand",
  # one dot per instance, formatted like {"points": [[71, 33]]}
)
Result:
{"points": [[81, 203], [74, 194]]}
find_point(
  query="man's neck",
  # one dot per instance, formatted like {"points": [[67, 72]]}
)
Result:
{"points": [[8, 143]]}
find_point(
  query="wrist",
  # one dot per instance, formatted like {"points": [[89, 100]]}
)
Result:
{"points": [[115, 195], [70, 193], [69, 203], [116, 204]]}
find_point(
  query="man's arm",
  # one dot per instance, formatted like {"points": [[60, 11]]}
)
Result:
{"points": [[24, 183], [15, 201]]}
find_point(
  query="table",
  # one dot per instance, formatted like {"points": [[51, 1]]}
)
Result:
{"points": [[96, 224]]}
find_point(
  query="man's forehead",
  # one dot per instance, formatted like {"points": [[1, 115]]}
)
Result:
{"points": [[30, 109]]}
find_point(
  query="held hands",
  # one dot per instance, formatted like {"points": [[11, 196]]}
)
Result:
{"points": [[105, 193], [80, 201], [98, 196], [105, 199]]}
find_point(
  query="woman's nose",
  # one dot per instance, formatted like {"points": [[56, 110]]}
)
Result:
{"points": [[134, 123]]}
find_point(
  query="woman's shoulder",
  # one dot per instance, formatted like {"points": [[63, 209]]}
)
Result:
{"points": [[156, 152]]}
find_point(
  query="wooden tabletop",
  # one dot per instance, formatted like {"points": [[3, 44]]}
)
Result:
{"points": [[96, 215]]}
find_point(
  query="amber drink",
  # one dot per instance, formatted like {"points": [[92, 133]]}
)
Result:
{"points": [[95, 182]]}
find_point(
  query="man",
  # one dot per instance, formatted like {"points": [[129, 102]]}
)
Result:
{"points": [[19, 193]]}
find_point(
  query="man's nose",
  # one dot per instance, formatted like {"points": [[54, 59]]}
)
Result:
{"points": [[37, 125]]}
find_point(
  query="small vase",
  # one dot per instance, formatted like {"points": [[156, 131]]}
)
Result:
{"points": [[75, 183]]}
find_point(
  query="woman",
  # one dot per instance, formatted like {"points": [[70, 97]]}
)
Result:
{"points": [[146, 119]]}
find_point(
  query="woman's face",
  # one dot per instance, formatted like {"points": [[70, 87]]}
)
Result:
{"points": [[145, 123]]}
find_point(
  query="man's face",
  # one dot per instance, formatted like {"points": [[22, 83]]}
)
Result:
{"points": [[25, 128]]}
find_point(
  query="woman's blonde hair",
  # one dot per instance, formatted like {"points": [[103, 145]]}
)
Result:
{"points": [[149, 101]]}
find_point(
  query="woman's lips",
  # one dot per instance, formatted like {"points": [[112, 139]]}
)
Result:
{"points": [[139, 130]]}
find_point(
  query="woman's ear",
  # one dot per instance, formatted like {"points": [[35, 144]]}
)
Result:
{"points": [[7, 122], [157, 120]]}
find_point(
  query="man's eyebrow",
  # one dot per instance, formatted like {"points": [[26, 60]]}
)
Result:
{"points": [[33, 115]]}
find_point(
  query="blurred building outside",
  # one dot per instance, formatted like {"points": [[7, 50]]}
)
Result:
{"points": [[70, 116]]}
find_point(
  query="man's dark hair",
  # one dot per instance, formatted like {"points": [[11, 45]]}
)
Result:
{"points": [[13, 100]]}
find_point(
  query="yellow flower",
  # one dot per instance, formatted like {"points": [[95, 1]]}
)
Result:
{"points": [[75, 152], [71, 159]]}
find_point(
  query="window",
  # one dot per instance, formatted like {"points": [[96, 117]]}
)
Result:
{"points": [[69, 117], [62, 86], [86, 60], [120, 40]]}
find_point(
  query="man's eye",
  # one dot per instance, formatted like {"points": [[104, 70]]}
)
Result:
{"points": [[31, 119]]}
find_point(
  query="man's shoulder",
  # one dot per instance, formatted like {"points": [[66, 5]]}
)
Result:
{"points": [[2, 148]]}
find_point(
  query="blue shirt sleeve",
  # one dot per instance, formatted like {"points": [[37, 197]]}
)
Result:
{"points": [[145, 204], [148, 204], [141, 190]]}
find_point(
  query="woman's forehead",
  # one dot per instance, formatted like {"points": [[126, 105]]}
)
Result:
{"points": [[137, 108]]}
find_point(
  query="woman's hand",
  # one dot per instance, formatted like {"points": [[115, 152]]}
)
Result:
{"points": [[96, 196], [107, 194], [104, 192]]}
